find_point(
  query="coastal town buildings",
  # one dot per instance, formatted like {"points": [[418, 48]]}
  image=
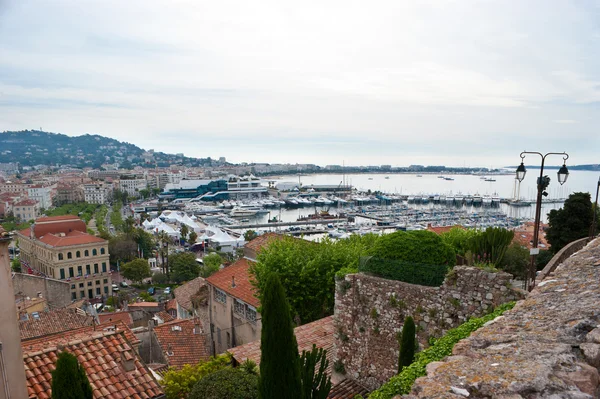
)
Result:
{"points": [[97, 193], [59, 247]]}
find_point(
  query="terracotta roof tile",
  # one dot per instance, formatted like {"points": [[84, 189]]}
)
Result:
{"points": [[263, 240], [56, 218], [107, 352], [53, 322], [319, 333], [125, 317], [182, 342], [164, 316], [72, 238], [243, 290], [185, 292], [347, 389], [443, 229]]}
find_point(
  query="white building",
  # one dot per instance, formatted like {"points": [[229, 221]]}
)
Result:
{"points": [[41, 194], [97, 193], [133, 186]]}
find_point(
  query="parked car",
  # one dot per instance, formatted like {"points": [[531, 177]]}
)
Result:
{"points": [[167, 291], [151, 290], [124, 284], [115, 287]]}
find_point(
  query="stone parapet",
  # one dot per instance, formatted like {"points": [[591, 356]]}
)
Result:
{"points": [[370, 312], [548, 346]]}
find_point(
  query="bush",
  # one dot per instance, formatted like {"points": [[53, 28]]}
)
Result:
{"points": [[423, 246], [458, 238], [515, 261], [543, 258], [409, 272], [179, 383], [159, 278], [147, 297], [228, 383], [402, 383], [407, 344]]}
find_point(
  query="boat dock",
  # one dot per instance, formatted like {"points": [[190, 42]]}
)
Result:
{"points": [[287, 224]]}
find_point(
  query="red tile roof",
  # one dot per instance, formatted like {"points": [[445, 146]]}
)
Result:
{"points": [[184, 293], [319, 333], [72, 238], [443, 229], [53, 322], [26, 202], [164, 316], [56, 218], [182, 342], [243, 290], [125, 317], [264, 240], [112, 367], [347, 389]]}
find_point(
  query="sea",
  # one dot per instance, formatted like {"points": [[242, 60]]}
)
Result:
{"points": [[505, 186]]}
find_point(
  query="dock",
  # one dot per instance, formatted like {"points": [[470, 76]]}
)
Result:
{"points": [[286, 224]]}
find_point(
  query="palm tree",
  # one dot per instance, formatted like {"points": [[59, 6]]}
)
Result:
{"points": [[163, 244]]}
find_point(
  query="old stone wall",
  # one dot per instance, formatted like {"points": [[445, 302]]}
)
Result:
{"points": [[370, 312], [56, 292], [547, 346]]}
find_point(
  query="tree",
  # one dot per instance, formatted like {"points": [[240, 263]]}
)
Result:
{"points": [[571, 222], [16, 265], [159, 278], [280, 363], [543, 258], [122, 248], [458, 239], [184, 267], [179, 383], [407, 344], [227, 383], [145, 193], [69, 380], [136, 270], [128, 226], [491, 244], [414, 246], [192, 238], [144, 241], [163, 245], [250, 235], [184, 230], [212, 264], [515, 260], [316, 384]]}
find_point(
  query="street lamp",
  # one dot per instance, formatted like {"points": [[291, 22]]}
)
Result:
{"points": [[542, 184], [593, 226]]}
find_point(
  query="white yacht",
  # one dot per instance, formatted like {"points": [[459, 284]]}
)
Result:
{"points": [[239, 212], [487, 200]]}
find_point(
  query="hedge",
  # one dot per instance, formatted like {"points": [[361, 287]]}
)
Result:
{"points": [[408, 272], [401, 384]]}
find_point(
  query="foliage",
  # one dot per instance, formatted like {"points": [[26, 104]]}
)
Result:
{"points": [[145, 193], [491, 244], [69, 380], [250, 235], [227, 383], [458, 238], [159, 278], [16, 265], [212, 264], [407, 344], [179, 383], [571, 222], [82, 209], [147, 297], [122, 248], [409, 272], [543, 258], [414, 246], [316, 384], [442, 347], [280, 363], [112, 301], [515, 260], [136, 270], [144, 241], [192, 237], [115, 216], [183, 266], [307, 270], [184, 231]]}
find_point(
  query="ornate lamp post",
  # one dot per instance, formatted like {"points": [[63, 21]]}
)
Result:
{"points": [[542, 184], [593, 226]]}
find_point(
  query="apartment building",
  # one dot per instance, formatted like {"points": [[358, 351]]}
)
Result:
{"points": [[41, 194], [26, 209], [59, 247], [97, 193]]}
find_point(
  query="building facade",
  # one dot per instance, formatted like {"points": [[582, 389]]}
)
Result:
{"points": [[132, 186], [26, 209], [41, 194], [60, 248], [97, 193]]}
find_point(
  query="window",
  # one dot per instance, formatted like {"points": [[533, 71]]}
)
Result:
{"points": [[62, 274], [86, 253], [69, 255], [71, 272], [89, 283], [98, 291], [95, 268], [78, 254], [82, 294], [220, 296], [238, 307], [103, 267], [251, 314], [80, 285], [88, 269], [73, 296], [97, 282], [101, 251], [72, 286], [79, 270], [105, 281], [106, 290], [60, 256], [94, 252]]}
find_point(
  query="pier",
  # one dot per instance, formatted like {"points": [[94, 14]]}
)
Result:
{"points": [[287, 224]]}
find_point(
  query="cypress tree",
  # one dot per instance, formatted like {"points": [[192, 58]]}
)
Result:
{"points": [[407, 344], [69, 380], [280, 362]]}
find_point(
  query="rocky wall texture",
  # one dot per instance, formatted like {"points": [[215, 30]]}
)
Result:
{"points": [[370, 312], [548, 346]]}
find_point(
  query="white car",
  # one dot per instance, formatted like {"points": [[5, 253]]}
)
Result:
{"points": [[115, 287]]}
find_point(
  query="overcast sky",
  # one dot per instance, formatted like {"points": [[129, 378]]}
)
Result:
{"points": [[362, 82]]}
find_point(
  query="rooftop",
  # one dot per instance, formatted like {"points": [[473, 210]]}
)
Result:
{"points": [[347, 389], [112, 367], [319, 333], [53, 322], [263, 240], [240, 273], [182, 342], [125, 317], [185, 292], [443, 229]]}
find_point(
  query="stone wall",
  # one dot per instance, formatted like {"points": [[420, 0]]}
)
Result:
{"points": [[547, 346], [56, 292], [370, 311]]}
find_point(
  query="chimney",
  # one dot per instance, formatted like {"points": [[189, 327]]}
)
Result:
{"points": [[232, 281]]}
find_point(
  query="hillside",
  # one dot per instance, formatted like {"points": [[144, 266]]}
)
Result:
{"points": [[32, 147]]}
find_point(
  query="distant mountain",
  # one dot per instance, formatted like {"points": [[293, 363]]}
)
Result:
{"points": [[33, 147]]}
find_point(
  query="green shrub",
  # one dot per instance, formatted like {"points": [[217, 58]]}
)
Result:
{"points": [[423, 247], [515, 260], [228, 383], [442, 347], [407, 344], [159, 278]]}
